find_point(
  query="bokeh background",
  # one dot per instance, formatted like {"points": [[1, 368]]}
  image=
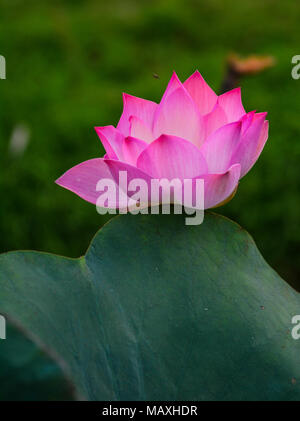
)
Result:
{"points": [[68, 63]]}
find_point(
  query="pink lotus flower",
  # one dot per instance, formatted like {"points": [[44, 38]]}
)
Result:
{"points": [[191, 134]]}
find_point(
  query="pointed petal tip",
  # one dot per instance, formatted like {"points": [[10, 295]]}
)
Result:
{"points": [[63, 182], [174, 80], [58, 181], [260, 116], [102, 128], [175, 76], [125, 96], [196, 74], [237, 123], [237, 90], [98, 129]]}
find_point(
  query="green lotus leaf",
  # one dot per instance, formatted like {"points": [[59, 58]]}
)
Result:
{"points": [[28, 372], [157, 310]]}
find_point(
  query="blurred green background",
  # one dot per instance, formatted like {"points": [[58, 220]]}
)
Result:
{"points": [[68, 63]]}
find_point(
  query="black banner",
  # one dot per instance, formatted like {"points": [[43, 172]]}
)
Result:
{"points": [[136, 410]]}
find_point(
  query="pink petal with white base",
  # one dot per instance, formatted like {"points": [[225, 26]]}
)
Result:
{"points": [[139, 107], [132, 148], [217, 150], [247, 120], [218, 187], [177, 115], [139, 130], [231, 102], [112, 140], [172, 157], [214, 120], [251, 144], [201, 92], [83, 179], [262, 140]]}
